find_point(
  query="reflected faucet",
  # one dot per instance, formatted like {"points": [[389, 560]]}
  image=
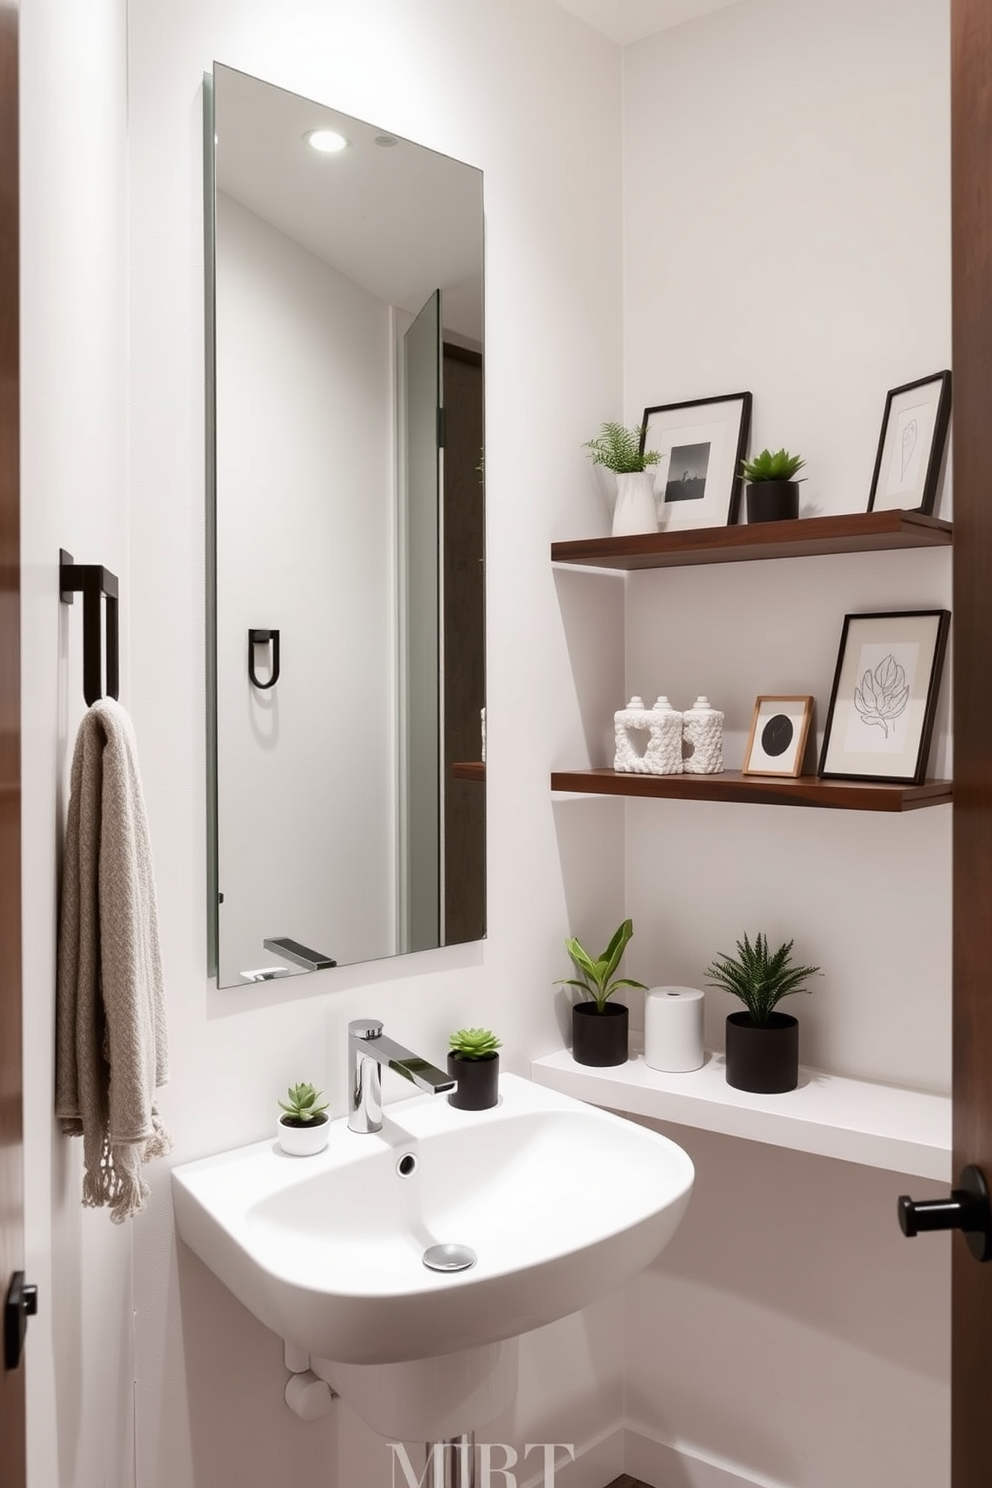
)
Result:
{"points": [[368, 1050]]}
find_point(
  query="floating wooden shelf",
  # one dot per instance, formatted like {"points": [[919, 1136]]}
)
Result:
{"points": [[857, 532], [766, 790], [469, 770], [879, 1126]]}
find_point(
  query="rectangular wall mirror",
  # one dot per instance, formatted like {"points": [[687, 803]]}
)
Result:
{"points": [[345, 664]]}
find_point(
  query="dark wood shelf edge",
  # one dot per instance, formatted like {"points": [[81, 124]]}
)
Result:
{"points": [[469, 770], [731, 785], [856, 532]]}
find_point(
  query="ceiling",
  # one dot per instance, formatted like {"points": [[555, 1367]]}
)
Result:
{"points": [[630, 20], [399, 221]]}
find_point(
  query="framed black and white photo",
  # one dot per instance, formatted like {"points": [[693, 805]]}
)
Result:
{"points": [[911, 445], [884, 696], [701, 444], [779, 729]]}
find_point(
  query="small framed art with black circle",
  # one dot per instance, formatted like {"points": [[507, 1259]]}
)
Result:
{"points": [[779, 730]]}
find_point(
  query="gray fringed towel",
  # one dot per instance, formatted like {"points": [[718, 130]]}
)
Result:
{"points": [[111, 1047]]}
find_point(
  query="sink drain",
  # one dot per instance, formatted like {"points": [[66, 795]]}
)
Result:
{"points": [[449, 1257]]}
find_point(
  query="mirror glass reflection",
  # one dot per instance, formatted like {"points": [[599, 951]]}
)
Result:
{"points": [[346, 661]]}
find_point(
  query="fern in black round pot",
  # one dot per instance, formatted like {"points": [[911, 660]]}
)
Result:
{"points": [[762, 1044]]}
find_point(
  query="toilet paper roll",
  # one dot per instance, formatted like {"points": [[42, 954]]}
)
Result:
{"points": [[673, 1028]]}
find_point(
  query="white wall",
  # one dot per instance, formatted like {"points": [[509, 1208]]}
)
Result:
{"points": [[533, 98], [79, 1356], [787, 230], [306, 807]]}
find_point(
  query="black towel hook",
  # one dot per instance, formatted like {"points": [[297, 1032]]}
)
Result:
{"points": [[94, 582], [263, 638]]}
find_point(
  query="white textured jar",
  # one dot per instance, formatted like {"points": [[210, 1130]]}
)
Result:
{"points": [[702, 739], [673, 1029]]}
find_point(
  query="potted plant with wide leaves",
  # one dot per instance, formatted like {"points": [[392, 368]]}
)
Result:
{"points": [[762, 1045], [773, 494], [473, 1060], [600, 1028], [303, 1125], [619, 450]]}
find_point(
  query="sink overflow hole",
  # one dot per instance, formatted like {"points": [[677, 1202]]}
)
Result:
{"points": [[449, 1257], [406, 1165]]}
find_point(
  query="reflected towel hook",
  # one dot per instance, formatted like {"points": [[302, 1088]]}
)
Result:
{"points": [[94, 582], [263, 638]]}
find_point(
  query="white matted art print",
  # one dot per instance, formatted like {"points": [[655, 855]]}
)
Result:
{"points": [[911, 446], [884, 696], [779, 729], [701, 444]]}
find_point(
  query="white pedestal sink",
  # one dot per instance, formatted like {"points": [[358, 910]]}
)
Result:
{"points": [[560, 1202]]}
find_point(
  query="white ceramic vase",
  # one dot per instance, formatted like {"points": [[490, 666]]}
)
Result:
{"points": [[303, 1141], [636, 509]]}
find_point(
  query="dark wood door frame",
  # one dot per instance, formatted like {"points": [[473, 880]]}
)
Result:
{"points": [[12, 1428], [971, 224]]}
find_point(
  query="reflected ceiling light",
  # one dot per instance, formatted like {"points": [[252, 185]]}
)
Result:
{"points": [[326, 141]]}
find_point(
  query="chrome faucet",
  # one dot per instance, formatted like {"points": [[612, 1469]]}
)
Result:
{"points": [[368, 1050]]}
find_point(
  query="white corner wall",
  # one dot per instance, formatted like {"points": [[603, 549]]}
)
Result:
{"points": [[532, 97], [787, 230], [73, 88]]}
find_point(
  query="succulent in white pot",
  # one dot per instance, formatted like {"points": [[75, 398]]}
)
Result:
{"points": [[303, 1126]]}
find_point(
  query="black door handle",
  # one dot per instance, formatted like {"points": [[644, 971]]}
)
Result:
{"points": [[263, 638], [21, 1303], [967, 1209]]}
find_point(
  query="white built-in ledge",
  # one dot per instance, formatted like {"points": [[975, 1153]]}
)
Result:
{"points": [[880, 1126]]}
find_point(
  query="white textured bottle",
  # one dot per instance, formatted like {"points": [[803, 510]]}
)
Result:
{"points": [[664, 751], [702, 739], [635, 717]]}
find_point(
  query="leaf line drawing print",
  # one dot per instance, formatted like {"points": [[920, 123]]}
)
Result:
{"points": [[882, 695], [910, 434]]}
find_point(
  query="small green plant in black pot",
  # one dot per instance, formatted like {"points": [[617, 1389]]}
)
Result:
{"points": [[303, 1125], [773, 493], [600, 1027], [762, 1044], [473, 1060]]}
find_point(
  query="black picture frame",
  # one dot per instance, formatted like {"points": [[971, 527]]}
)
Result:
{"points": [[713, 433], [911, 445], [884, 696]]}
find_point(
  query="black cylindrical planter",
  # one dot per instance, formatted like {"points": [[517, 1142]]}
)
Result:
{"points": [[764, 1060], [773, 501], [600, 1038], [478, 1082]]}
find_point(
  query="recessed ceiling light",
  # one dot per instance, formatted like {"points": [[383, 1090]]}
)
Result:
{"points": [[386, 141], [326, 141]]}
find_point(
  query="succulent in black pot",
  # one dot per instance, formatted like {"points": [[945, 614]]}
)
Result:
{"points": [[773, 494], [473, 1060]]}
